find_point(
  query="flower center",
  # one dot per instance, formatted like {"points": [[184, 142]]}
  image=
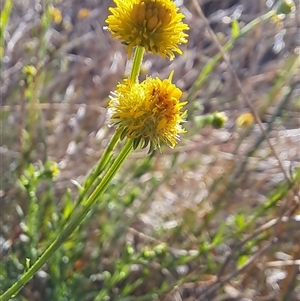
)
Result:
{"points": [[151, 14]]}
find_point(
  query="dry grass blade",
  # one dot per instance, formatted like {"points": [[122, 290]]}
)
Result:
{"points": [[244, 95]]}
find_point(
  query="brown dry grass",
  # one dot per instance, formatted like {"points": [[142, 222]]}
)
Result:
{"points": [[73, 106]]}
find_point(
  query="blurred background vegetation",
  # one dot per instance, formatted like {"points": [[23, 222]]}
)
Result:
{"points": [[217, 218]]}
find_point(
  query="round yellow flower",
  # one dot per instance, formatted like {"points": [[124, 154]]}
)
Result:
{"points": [[55, 14], [149, 112], [155, 25], [83, 13], [245, 120]]}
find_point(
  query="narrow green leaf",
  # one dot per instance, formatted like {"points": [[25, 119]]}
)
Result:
{"points": [[235, 29], [242, 260], [27, 264], [4, 17], [240, 220], [218, 238], [68, 205]]}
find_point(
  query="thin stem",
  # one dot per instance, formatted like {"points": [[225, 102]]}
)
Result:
{"points": [[203, 76], [102, 164], [75, 220], [110, 174], [95, 173], [137, 62], [256, 21]]}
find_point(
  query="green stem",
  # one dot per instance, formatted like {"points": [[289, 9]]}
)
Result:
{"points": [[102, 164], [95, 173], [110, 174], [136, 64], [257, 21], [75, 220]]}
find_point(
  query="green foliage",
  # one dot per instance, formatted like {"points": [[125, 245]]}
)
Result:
{"points": [[114, 254], [4, 17]]}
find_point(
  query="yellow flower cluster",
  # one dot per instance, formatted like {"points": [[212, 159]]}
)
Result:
{"points": [[148, 112], [55, 14], [155, 25]]}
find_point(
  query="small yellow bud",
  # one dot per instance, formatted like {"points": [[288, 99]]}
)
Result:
{"points": [[83, 13], [219, 120], [55, 14], [29, 70], [245, 120], [286, 7]]}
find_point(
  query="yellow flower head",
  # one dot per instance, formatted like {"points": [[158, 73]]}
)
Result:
{"points": [[55, 14], [245, 120], [149, 112], [83, 13], [155, 25]]}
